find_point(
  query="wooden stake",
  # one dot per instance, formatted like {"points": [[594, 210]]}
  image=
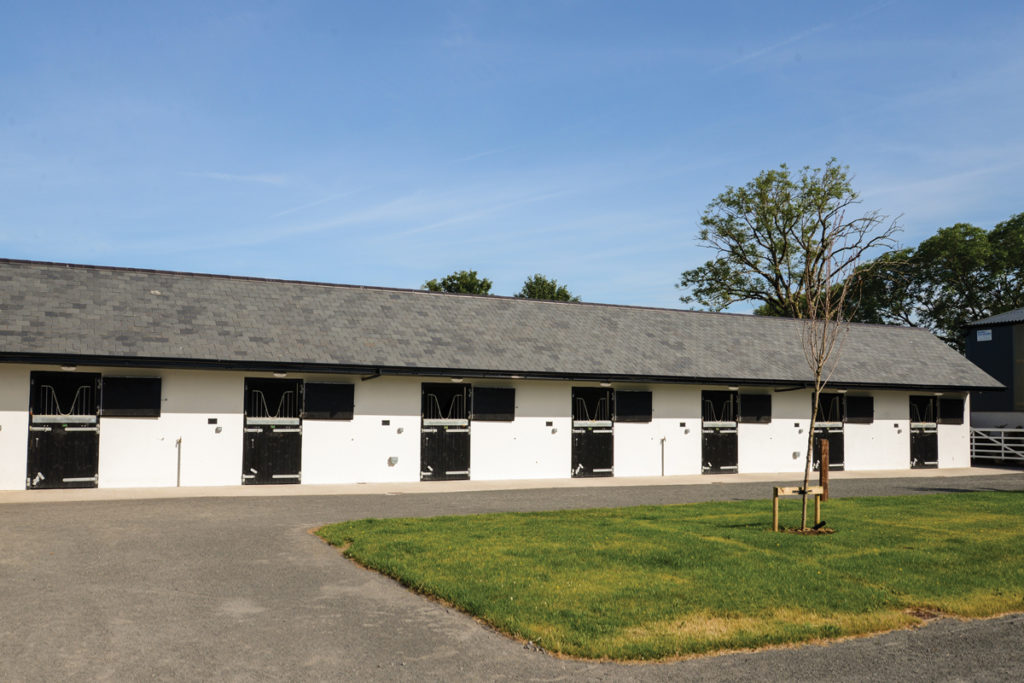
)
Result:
{"points": [[823, 474], [775, 509]]}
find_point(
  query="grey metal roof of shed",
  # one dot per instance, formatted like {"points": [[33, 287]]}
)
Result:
{"points": [[1009, 317], [144, 317]]}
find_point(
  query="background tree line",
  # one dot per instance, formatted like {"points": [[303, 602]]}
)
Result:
{"points": [[769, 237], [960, 274], [536, 286]]}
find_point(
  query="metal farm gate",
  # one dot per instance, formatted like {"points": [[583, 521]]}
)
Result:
{"points": [[924, 433], [828, 425], [63, 431], [719, 446], [593, 452], [1003, 446], [444, 431], [272, 438]]}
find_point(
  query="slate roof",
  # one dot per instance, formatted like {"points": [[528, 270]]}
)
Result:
{"points": [[57, 311], [1009, 317]]}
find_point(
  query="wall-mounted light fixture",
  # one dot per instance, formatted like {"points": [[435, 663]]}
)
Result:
{"points": [[69, 368], [733, 388], [456, 379], [606, 384], [280, 374]]}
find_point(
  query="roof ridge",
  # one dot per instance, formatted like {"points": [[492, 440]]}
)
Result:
{"points": [[499, 297]]}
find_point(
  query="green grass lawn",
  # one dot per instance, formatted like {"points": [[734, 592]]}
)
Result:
{"points": [[670, 581]]}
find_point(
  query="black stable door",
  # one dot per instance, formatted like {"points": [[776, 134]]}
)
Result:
{"points": [[444, 431], [272, 437], [924, 437], [593, 450], [272, 455], [924, 448], [719, 444], [63, 437], [719, 451], [836, 448]]}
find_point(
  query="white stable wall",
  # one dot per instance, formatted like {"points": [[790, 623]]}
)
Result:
{"points": [[771, 447], [13, 425], [955, 441], [885, 443], [343, 451], [144, 451], [676, 419], [140, 451], [526, 448]]}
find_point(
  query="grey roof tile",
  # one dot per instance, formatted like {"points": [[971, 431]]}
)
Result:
{"points": [[60, 309]]}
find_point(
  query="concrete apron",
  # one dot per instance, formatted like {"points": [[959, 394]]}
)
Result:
{"points": [[394, 488]]}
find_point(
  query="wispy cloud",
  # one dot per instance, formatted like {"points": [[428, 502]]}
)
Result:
{"points": [[261, 178], [310, 205], [806, 33], [479, 155], [484, 210], [750, 56]]}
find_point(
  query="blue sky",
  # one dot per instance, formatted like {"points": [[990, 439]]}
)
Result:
{"points": [[386, 143]]}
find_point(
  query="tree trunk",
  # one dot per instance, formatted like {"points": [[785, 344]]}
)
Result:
{"points": [[816, 396]]}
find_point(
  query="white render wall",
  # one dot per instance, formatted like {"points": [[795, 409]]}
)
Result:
{"points": [[143, 451], [772, 447], [357, 450], [137, 452], [955, 441], [885, 443], [13, 425], [526, 448]]}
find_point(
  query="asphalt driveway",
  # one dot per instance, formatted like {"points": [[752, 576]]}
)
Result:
{"points": [[237, 589]]}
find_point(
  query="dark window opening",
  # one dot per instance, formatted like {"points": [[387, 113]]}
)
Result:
{"points": [[633, 406], [756, 408], [830, 408], [273, 399], [131, 396], [329, 401], [951, 411], [860, 409], [591, 404], [445, 401], [922, 409], [494, 405], [64, 394], [718, 406]]}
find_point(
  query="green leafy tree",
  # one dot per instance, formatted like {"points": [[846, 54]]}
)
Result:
{"points": [[539, 287], [460, 282], [768, 234], [960, 274], [888, 286]]}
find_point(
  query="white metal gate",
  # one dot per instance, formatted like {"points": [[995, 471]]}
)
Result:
{"points": [[997, 445]]}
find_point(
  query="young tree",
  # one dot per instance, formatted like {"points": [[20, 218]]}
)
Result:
{"points": [[539, 287], [766, 236], [827, 285], [460, 282]]}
